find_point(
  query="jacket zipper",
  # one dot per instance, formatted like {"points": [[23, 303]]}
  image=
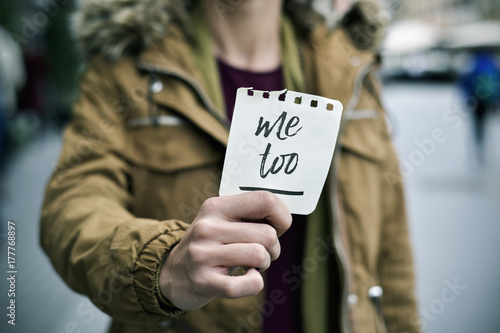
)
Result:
{"points": [[212, 109], [337, 238]]}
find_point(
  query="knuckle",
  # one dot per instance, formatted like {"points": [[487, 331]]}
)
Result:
{"points": [[235, 289], [269, 235], [231, 290], [276, 251], [258, 254], [256, 284], [210, 205], [198, 281], [196, 253], [267, 200], [202, 229]]}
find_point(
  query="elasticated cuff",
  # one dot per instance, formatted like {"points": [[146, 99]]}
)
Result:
{"points": [[146, 274]]}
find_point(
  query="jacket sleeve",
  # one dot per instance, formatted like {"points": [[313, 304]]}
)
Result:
{"points": [[98, 247], [395, 263]]}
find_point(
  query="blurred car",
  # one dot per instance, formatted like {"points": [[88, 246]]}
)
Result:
{"points": [[412, 48], [472, 36]]}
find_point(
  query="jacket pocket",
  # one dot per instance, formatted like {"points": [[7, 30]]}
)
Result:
{"points": [[173, 145], [175, 168]]}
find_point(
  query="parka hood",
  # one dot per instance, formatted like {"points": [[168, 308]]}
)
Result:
{"points": [[116, 28]]}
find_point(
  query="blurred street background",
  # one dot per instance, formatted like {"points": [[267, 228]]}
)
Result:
{"points": [[440, 61]]}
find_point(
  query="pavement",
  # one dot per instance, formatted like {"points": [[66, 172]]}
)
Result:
{"points": [[453, 207], [43, 301]]}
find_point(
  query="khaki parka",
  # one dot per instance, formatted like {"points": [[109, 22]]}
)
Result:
{"points": [[145, 149]]}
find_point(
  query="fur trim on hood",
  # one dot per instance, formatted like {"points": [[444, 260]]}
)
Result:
{"points": [[115, 28]]}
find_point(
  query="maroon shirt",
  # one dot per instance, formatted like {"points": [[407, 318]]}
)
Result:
{"points": [[281, 311]]}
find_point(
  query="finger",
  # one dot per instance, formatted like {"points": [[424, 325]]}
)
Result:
{"points": [[237, 286], [248, 232], [241, 232], [253, 206], [241, 255]]}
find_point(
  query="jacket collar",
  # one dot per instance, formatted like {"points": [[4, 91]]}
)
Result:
{"points": [[170, 58], [333, 68], [332, 63]]}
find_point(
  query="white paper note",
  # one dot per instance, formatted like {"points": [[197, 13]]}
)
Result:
{"points": [[282, 146]]}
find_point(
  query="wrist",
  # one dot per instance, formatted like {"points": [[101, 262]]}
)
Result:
{"points": [[161, 289], [164, 302]]}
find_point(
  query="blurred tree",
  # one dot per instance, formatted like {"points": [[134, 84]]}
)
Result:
{"points": [[10, 15], [63, 60]]}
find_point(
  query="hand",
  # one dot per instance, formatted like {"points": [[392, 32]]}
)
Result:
{"points": [[233, 231]]}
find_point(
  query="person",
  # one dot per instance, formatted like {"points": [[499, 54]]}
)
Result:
{"points": [[12, 78], [131, 215], [482, 92]]}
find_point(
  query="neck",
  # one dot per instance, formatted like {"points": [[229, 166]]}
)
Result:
{"points": [[246, 36]]}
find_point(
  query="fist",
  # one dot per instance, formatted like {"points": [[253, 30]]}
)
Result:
{"points": [[232, 231]]}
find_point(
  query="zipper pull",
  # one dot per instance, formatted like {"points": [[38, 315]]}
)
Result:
{"points": [[155, 86], [375, 293]]}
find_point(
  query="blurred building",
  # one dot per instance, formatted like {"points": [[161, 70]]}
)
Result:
{"points": [[434, 38], [448, 12]]}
